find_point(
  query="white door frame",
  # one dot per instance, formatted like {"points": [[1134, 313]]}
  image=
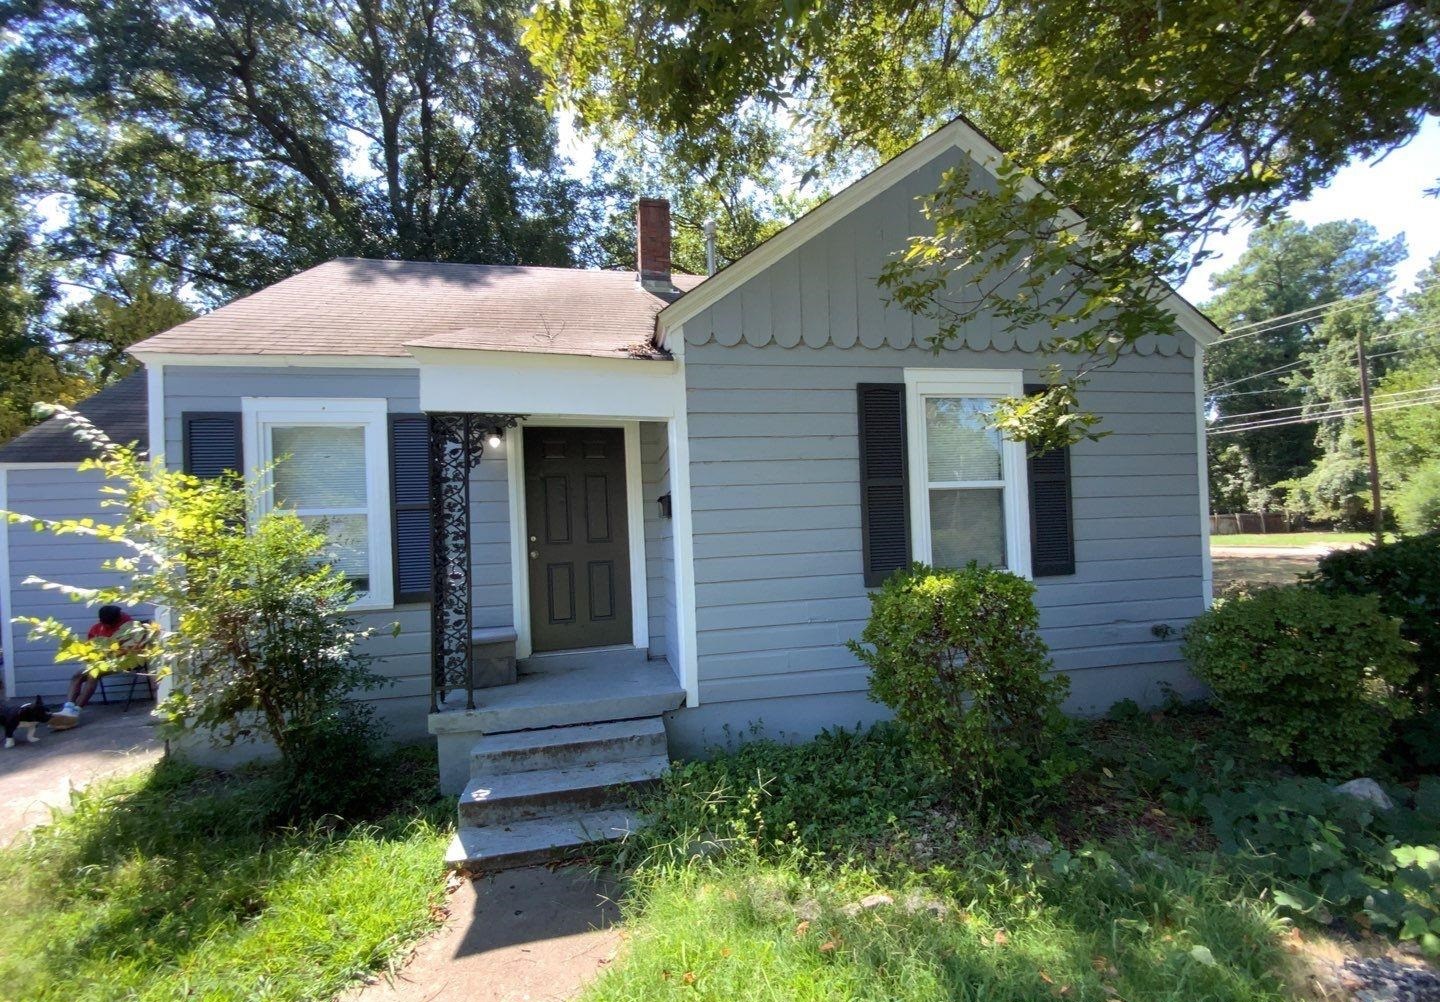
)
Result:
{"points": [[634, 520]]}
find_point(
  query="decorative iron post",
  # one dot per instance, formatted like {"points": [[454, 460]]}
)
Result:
{"points": [[450, 460]]}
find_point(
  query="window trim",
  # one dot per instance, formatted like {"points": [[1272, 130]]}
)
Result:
{"points": [[260, 414], [992, 383]]}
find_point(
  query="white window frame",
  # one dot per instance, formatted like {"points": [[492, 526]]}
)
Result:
{"points": [[261, 414], [992, 383]]}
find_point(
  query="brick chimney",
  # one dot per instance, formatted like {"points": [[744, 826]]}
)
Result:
{"points": [[652, 244]]}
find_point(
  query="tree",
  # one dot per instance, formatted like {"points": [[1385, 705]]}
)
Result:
{"points": [[1150, 125], [1287, 268], [231, 143]]}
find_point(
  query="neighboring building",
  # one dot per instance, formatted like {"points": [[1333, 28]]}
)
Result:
{"points": [[668, 496]]}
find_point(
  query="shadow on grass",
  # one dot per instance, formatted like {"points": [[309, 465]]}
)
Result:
{"points": [[170, 883]]}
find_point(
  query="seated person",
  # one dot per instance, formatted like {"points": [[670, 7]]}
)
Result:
{"points": [[112, 619]]}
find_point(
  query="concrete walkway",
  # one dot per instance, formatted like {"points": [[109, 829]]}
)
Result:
{"points": [[35, 778], [530, 935]]}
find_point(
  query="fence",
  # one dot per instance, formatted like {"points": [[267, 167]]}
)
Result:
{"points": [[1252, 521]]}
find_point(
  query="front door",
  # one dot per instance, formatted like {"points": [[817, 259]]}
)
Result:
{"points": [[579, 550]]}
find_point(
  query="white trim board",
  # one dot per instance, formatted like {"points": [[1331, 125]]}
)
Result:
{"points": [[634, 527], [371, 414], [258, 361], [922, 383], [958, 134], [1202, 462]]}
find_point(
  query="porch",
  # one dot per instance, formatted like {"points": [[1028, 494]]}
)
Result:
{"points": [[557, 618]]}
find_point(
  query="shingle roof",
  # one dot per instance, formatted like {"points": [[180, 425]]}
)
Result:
{"points": [[353, 306], [120, 411]]}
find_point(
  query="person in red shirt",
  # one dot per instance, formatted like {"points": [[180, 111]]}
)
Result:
{"points": [[112, 619]]}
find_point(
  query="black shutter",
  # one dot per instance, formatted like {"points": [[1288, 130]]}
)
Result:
{"points": [[410, 497], [210, 442], [1052, 526], [884, 514]]}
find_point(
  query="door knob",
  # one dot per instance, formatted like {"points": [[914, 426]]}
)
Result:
{"points": [[534, 554]]}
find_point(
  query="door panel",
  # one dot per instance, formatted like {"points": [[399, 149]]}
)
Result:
{"points": [[578, 546]]}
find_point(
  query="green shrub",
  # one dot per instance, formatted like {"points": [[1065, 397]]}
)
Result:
{"points": [[956, 656], [1417, 503], [1331, 855], [1310, 679], [1405, 577]]}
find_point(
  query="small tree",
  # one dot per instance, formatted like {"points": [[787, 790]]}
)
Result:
{"points": [[956, 655], [260, 645]]}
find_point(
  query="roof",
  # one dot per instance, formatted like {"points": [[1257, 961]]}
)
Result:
{"points": [[958, 134], [359, 307], [120, 410]]}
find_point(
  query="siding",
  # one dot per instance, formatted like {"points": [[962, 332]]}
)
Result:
{"points": [[774, 469], [72, 560], [659, 556], [405, 658]]}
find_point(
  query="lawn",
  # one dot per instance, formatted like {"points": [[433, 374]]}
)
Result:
{"points": [[164, 886], [1295, 539], [836, 870]]}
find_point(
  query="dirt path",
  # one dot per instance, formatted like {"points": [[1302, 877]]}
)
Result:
{"points": [[534, 934], [35, 778]]}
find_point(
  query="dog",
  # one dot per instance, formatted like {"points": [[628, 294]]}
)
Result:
{"points": [[26, 715]]}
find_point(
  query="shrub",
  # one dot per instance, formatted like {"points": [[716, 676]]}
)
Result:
{"points": [[261, 646], [956, 656], [1417, 503], [1405, 577], [1309, 678]]}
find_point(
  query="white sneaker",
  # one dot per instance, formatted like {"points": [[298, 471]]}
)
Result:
{"points": [[65, 718]]}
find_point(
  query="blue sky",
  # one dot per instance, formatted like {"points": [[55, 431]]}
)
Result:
{"points": [[1389, 193]]}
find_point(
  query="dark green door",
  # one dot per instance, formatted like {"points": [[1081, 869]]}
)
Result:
{"points": [[579, 548]]}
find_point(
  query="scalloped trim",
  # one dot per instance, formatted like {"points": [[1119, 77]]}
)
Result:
{"points": [[1025, 341]]}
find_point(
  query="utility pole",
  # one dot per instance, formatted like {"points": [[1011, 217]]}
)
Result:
{"points": [[1375, 508]]}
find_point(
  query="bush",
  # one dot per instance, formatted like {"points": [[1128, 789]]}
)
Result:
{"points": [[1405, 577], [956, 656], [1417, 503], [1310, 679]]}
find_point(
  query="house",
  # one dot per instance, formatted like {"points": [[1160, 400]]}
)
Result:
{"points": [[666, 497]]}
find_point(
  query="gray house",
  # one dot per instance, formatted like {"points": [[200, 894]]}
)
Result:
{"points": [[667, 497]]}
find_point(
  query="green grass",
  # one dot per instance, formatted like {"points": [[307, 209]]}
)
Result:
{"points": [[1126, 925], [1297, 539], [166, 886]]}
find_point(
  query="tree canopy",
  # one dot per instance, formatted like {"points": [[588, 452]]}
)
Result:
{"points": [[1150, 125]]}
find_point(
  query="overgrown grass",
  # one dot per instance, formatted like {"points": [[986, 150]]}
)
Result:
{"points": [[1104, 925], [1297, 539], [165, 885]]}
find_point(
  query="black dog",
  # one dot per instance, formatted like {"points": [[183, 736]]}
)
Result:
{"points": [[26, 715]]}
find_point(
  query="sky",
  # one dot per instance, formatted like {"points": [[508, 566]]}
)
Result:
{"points": [[1389, 193]]}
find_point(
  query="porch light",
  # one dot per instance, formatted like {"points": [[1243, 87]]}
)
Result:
{"points": [[492, 439]]}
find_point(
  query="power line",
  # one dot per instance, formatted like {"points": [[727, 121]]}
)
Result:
{"points": [[1234, 334], [1331, 416], [1330, 403], [1309, 361]]}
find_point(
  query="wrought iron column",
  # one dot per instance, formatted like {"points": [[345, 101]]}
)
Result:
{"points": [[450, 459]]}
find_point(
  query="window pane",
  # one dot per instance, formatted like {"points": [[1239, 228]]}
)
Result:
{"points": [[349, 549], [958, 446], [325, 467], [967, 525]]}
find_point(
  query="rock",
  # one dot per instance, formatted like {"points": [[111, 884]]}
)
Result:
{"points": [[1368, 790], [1034, 845], [916, 902], [867, 903], [1383, 979], [808, 910]]}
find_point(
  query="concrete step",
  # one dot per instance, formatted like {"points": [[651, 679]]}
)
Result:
{"points": [[572, 747], [540, 793], [500, 847], [588, 657]]}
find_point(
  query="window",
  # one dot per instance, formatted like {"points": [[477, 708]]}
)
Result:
{"points": [[331, 468], [968, 501]]}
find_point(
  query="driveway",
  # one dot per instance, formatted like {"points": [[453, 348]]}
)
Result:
{"points": [[35, 778]]}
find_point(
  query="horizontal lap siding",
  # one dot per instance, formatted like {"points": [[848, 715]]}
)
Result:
{"points": [[404, 659], [659, 554], [774, 473], [72, 560]]}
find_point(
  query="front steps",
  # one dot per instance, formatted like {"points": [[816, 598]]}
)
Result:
{"points": [[547, 764]]}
